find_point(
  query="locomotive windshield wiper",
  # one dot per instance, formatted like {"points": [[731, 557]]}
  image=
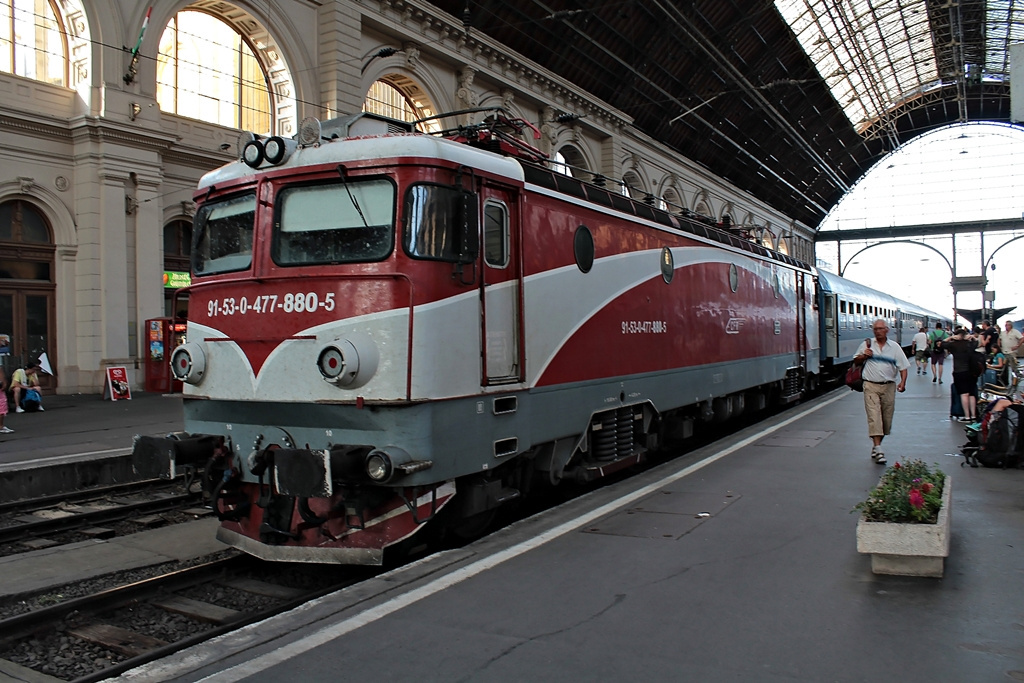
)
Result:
{"points": [[355, 202]]}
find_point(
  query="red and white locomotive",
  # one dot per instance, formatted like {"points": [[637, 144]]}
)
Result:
{"points": [[389, 328]]}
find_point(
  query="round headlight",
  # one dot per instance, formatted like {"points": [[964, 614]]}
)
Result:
{"points": [[252, 154], [331, 363], [188, 363], [274, 150], [378, 466], [349, 363]]}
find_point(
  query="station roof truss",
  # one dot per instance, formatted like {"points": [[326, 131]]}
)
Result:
{"points": [[790, 100]]}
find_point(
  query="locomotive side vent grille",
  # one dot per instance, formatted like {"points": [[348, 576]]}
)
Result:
{"points": [[505, 405], [506, 447]]}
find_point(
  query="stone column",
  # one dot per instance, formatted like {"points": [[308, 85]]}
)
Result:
{"points": [[149, 258], [611, 155], [339, 39], [113, 275]]}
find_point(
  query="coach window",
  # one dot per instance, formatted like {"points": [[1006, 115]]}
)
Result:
{"points": [[222, 238], [495, 235], [583, 248], [433, 215], [337, 223]]}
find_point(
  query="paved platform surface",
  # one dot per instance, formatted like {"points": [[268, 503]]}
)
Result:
{"points": [[41, 569], [734, 563], [86, 426]]}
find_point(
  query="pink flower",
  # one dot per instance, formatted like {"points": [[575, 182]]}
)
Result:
{"points": [[916, 499], [926, 487]]}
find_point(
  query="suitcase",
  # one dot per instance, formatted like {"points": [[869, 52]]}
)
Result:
{"points": [[956, 409]]}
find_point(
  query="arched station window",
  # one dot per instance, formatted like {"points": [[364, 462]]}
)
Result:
{"points": [[570, 161], [632, 186], [27, 288], [671, 201], [207, 70], [398, 97], [32, 41]]}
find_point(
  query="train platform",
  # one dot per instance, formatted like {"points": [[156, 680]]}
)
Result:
{"points": [[85, 426], [79, 440], [736, 562]]}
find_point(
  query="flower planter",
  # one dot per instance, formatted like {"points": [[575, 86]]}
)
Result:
{"points": [[908, 549]]}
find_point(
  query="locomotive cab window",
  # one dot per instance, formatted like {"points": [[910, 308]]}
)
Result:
{"points": [[222, 235], [495, 235], [441, 223], [347, 222]]}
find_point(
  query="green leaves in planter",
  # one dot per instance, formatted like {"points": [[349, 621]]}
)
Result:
{"points": [[907, 492]]}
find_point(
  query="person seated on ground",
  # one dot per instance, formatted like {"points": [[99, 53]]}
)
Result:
{"points": [[995, 368], [25, 382]]}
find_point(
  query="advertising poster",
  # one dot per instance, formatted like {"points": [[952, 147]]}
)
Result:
{"points": [[117, 383]]}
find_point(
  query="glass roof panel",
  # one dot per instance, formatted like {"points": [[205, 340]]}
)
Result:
{"points": [[874, 54], [1004, 24]]}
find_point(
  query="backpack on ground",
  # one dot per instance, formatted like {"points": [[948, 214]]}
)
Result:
{"points": [[31, 401], [997, 440]]}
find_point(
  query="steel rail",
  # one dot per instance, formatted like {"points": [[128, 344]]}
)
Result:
{"points": [[16, 532]]}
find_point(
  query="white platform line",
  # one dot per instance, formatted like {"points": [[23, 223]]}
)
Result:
{"points": [[395, 604], [60, 459]]}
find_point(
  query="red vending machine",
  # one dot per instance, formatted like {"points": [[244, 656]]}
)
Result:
{"points": [[162, 336]]}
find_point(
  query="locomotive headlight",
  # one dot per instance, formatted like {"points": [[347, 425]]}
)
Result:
{"points": [[253, 153], [384, 464], [349, 362], [188, 363], [277, 150], [378, 466]]}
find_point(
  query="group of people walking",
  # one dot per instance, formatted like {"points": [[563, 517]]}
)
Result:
{"points": [[985, 356]]}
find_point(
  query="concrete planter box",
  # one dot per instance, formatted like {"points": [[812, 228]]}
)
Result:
{"points": [[908, 549]]}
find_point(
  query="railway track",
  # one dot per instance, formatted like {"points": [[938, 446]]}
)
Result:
{"points": [[104, 634], [44, 522]]}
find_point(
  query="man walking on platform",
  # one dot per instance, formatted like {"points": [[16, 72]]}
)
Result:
{"points": [[920, 349], [935, 338], [885, 373]]}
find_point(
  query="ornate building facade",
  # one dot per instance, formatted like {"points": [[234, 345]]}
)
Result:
{"points": [[109, 116]]}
